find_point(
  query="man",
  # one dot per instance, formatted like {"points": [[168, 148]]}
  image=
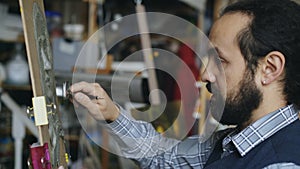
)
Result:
{"points": [[258, 43]]}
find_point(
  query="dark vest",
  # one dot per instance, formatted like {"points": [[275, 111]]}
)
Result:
{"points": [[282, 147]]}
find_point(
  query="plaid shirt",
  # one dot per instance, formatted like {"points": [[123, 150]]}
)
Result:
{"points": [[139, 141]]}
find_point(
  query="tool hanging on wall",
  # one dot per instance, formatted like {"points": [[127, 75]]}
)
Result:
{"points": [[50, 151], [147, 52]]}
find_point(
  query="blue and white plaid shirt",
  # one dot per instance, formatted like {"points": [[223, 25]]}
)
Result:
{"points": [[139, 141]]}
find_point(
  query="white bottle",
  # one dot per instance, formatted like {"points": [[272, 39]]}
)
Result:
{"points": [[2, 73], [17, 68]]}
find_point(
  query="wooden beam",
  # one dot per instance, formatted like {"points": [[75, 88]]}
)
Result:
{"points": [[148, 54]]}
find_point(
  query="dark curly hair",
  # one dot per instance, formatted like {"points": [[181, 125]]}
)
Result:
{"points": [[274, 26]]}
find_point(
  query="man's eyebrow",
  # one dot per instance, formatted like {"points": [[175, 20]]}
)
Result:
{"points": [[215, 50]]}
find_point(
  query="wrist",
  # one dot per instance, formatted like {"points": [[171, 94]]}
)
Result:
{"points": [[115, 115]]}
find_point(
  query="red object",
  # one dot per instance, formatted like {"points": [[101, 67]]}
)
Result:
{"points": [[40, 157], [189, 94]]}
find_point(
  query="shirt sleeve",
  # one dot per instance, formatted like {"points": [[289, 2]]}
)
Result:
{"points": [[138, 140]]}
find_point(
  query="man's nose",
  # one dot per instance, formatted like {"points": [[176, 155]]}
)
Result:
{"points": [[207, 76]]}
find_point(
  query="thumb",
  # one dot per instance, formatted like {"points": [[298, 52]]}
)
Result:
{"points": [[87, 103], [82, 99]]}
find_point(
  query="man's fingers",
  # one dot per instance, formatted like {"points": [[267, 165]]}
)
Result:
{"points": [[85, 101], [91, 105], [82, 87], [75, 103], [94, 98], [87, 88]]}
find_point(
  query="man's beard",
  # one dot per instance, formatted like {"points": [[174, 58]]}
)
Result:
{"points": [[240, 103]]}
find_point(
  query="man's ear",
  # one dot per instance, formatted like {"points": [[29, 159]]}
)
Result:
{"points": [[272, 67]]}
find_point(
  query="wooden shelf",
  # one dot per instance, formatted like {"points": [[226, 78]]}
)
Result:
{"points": [[20, 39], [16, 87]]}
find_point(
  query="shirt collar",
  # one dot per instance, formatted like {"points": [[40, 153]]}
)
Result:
{"points": [[262, 129]]}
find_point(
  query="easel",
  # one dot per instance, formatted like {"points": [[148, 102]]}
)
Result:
{"points": [[147, 52], [50, 151]]}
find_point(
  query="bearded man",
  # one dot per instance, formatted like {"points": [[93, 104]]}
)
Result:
{"points": [[258, 45]]}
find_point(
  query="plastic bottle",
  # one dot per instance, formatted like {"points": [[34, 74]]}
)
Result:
{"points": [[17, 68]]}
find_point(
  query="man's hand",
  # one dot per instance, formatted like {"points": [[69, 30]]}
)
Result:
{"points": [[93, 97]]}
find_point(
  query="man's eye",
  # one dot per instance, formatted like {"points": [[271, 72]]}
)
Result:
{"points": [[221, 60]]}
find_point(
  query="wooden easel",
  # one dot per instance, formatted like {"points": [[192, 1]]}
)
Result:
{"points": [[42, 77], [147, 52]]}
